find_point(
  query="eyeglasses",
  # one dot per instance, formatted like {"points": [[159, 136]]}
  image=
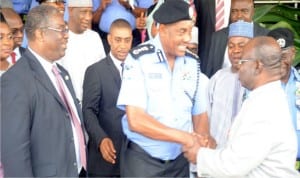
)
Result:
{"points": [[245, 60], [62, 31]]}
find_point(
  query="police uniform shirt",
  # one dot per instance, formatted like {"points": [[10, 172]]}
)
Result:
{"points": [[166, 95], [292, 90], [116, 11]]}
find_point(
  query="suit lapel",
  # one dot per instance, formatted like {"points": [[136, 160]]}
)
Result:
{"points": [[66, 77], [115, 72], [41, 76]]}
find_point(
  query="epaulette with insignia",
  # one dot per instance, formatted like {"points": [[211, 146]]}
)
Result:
{"points": [[191, 54], [141, 50]]}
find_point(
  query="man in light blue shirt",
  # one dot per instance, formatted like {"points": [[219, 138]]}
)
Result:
{"points": [[107, 11], [21, 6], [164, 94], [290, 77]]}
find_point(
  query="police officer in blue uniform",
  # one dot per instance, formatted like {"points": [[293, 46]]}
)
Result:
{"points": [[290, 77], [164, 94]]}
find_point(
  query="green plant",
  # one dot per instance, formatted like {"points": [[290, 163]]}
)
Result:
{"points": [[279, 15]]}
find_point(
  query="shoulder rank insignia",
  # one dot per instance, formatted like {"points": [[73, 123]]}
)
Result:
{"points": [[141, 50], [191, 54]]}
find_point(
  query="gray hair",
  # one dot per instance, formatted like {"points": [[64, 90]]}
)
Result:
{"points": [[39, 17], [268, 52]]}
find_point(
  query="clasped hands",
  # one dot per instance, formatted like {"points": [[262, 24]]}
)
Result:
{"points": [[196, 142]]}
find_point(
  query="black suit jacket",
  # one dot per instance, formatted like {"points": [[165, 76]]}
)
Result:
{"points": [[215, 59], [22, 50], [206, 24], [101, 87], [36, 132]]}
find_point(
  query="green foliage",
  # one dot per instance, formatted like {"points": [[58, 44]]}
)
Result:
{"points": [[275, 16]]}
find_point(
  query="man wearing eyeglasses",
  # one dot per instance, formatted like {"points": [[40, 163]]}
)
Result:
{"points": [[261, 141], [40, 136], [16, 25], [290, 77]]}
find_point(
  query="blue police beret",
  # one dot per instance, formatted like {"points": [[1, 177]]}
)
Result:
{"points": [[172, 11], [283, 36]]}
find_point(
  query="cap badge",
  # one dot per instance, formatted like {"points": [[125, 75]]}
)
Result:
{"points": [[281, 42]]}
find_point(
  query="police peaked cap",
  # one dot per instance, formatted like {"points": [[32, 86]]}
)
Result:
{"points": [[283, 36], [172, 11]]}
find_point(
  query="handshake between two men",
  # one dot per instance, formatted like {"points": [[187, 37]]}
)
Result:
{"points": [[199, 140]]}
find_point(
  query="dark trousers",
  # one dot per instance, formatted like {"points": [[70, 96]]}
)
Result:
{"points": [[135, 162]]}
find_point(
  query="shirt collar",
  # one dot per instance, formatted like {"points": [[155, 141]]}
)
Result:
{"points": [[116, 61], [45, 64]]}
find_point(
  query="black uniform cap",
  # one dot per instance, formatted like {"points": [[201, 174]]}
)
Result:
{"points": [[283, 36], [172, 11]]}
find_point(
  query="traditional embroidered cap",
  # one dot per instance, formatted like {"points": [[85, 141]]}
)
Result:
{"points": [[283, 36], [172, 11], [80, 3], [241, 28]]}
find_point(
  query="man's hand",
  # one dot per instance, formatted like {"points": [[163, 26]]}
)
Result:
{"points": [[107, 150], [104, 4], [190, 151]]}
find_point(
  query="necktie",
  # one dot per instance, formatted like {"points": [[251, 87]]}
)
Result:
{"points": [[13, 57], [75, 119], [219, 14], [122, 68]]}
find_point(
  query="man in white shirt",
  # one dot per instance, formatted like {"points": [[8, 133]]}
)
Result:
{"points": [[222, 108], [84, 45], [261, 141]]}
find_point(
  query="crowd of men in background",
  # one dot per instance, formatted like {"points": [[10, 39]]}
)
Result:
{"points": [[146, 88]]}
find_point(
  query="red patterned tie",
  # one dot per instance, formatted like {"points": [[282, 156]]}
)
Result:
{"points": [[13, 57], [75, 119], [219, 14]]}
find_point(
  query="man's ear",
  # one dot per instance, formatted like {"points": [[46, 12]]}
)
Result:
{"points": [[109, 39], [40, 35], [259, 67]]}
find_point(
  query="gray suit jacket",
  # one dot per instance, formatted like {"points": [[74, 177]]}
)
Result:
{"points": [[214, 61], [36, 132], [102, 118]]}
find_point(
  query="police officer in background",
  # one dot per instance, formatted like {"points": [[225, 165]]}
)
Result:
{"points": [[290, 77], [163, 93]]}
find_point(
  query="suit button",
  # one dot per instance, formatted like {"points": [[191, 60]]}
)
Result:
{"points": [[75, 164]]}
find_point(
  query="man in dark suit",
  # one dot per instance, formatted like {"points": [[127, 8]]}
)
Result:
{"points": [[39, 135], [101, 116], [216, 53]]}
